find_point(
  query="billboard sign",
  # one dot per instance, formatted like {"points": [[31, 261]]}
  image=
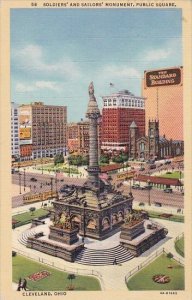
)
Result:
{"points": [[164, 77], [24, 133]]}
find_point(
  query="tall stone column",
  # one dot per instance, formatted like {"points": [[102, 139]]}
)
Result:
{"points": [[93, 114]]}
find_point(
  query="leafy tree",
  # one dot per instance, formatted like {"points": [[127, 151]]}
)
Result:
{"points": [[32, 209], [169, 255], [104, 159], [71, 277], [59, 158]]}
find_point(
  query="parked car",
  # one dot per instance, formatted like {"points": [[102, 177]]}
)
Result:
{"points": [[141, 204], [136, 186], [152, 166], [33, 179], [158, 204], [147, 187], [168, 190], [142, 169]]}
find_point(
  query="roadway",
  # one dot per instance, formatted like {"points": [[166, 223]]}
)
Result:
{"points": [[43, 184]]}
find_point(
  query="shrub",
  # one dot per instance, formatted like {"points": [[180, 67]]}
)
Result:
{"points": [[169, 255]]}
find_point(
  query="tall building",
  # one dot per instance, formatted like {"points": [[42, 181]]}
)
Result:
{"points": [[78, 136], [163, 90], [43, 127], [15, 151], [119, 111]]}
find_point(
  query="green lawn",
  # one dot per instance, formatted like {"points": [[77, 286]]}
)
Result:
{"points": [[27, 216], [179, 246], [57, 281], [175, 175], [143, 279], [60, 167], [173, 218]]}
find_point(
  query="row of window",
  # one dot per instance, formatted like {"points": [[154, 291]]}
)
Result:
{"points": [[124, 102]]}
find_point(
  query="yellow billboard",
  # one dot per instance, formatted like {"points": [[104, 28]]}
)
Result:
{"points": [[25, 133]]}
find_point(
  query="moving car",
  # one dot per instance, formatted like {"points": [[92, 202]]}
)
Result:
{"points": [[33, 179]]}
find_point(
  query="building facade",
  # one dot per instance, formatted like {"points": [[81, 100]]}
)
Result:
{"points": [[78, 136], [153, 146], [43, 127], [119, 111], [163, 90], [15, 150]]}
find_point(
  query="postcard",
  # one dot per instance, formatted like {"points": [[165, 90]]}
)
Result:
{"points": [[95, 149]]}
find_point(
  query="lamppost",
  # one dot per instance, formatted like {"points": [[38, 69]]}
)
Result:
{"points": [[56, 183], [84, 205], [24, 179], [19, 183], [41, 165], [51, 187], [149, 189], [130, 188]]}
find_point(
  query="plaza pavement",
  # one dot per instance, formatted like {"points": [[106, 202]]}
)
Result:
{"points": [[113, 276]]}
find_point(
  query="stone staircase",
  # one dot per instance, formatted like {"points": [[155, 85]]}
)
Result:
{"points": [[103, 257], [24, 236]]}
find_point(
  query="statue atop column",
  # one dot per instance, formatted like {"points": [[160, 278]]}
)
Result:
{"points": [[91, 89]]}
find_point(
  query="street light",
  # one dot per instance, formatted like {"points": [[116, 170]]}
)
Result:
{"points": [[19, 183], [41, 165], [149, 189], [51, 187], [24, 179]]}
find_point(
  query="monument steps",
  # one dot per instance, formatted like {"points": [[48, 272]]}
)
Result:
{"points": [[103, 257], [24, 236]]}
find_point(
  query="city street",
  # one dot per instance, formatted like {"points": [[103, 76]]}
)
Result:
{"points": [[42, 184]]}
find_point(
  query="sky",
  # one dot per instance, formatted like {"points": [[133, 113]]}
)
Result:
{"points": [[56, 53]]}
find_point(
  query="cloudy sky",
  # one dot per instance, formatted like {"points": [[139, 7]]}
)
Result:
{"points": [[55, 53]]}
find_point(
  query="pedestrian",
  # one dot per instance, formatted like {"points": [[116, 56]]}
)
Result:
{"points": [[19, 284], [115, 261], [24, 284]]}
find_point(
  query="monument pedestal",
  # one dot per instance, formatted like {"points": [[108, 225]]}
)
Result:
{"points": [[66, 236], [130, 232]]}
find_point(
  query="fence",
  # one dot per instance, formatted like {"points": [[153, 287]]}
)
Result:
{"points": [[178, 249], [58, 266], [148, 261]]}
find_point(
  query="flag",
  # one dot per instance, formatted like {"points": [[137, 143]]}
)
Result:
{"points": [[111, 84]]}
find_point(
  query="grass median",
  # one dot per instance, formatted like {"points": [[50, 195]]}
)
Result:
{"points": [[56, 281]]}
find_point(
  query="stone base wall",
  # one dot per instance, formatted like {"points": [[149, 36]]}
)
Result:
{"points": [[145, 244], [65, 236], [130, 233], [54, 250]]}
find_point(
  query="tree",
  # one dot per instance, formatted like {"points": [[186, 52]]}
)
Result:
{"points": [[169, 255], [104, 159], [32, 209], [71, 277], [58, 159]]}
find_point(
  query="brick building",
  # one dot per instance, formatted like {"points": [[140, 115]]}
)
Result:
{"points": [[119, 111], [44, 128], [78, 136]]}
